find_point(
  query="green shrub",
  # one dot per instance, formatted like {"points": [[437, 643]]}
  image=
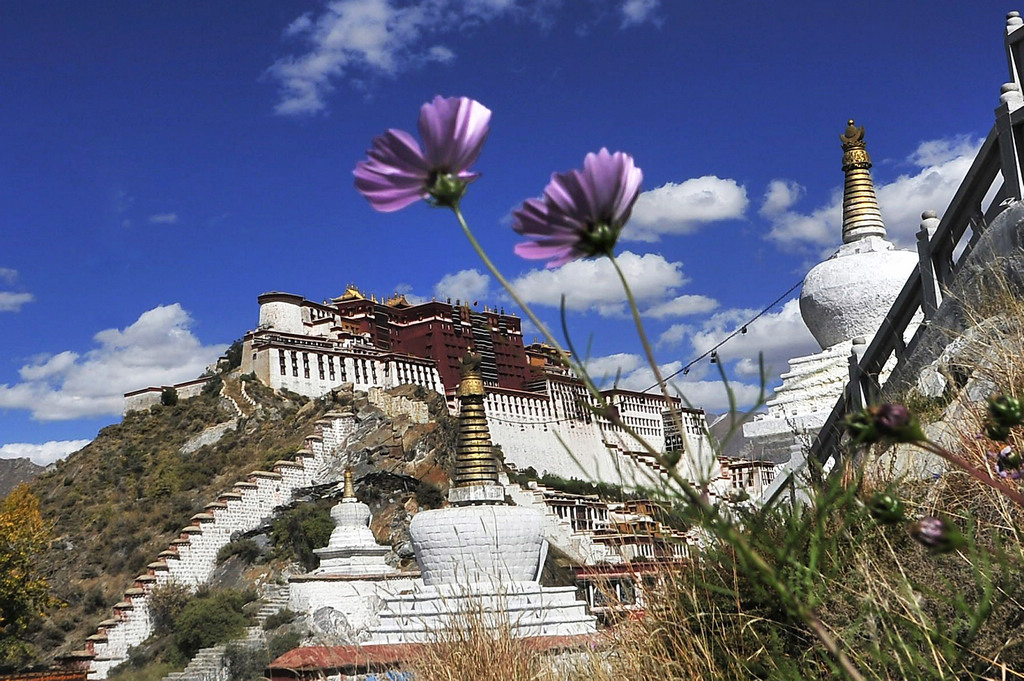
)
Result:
{"points": [[246, 663], [246, 549], [282, 643], [169, 397], [210, 619], [166, 603], [213, 386], [234, 355], [428, 496], [298, 531], [278, 618]]}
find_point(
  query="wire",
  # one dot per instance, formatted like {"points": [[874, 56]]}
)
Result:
{"points": [[742, 328]]}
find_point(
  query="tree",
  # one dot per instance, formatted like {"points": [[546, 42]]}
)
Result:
{"points": [[169, 397], [24, 589]]}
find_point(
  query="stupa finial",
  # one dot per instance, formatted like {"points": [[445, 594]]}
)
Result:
{"points": [[474, 459], [861, 215], [350, 491]]}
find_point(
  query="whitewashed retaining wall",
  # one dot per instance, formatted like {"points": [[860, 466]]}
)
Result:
{"points": [[191, 557], [395, 406]]}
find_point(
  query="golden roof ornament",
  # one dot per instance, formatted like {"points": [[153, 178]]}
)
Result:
{"points": [[861, 215], [350, 491], [474, 457]]}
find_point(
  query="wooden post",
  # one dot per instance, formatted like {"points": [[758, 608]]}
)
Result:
{"points": [[931, 296]]}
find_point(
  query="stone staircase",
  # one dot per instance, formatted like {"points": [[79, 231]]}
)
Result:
{"points": [[209, 664], [191, 558], [274, 600]]}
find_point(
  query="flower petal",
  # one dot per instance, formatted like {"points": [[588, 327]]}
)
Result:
{"points": [[395, 174], [574, 204], [453, 130]]}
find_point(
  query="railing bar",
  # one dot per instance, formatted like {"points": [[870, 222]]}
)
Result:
{"points": [[986, 164]]}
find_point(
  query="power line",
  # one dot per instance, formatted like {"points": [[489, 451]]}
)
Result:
{"points": [[713, 351]]}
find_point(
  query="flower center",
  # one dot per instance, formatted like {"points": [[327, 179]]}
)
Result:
{"points": [[599, 239], [445, 189]]}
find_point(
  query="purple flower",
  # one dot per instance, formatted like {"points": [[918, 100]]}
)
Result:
{"points": [[937, 534], [398, 173], [581, 212], [1008, 463]]}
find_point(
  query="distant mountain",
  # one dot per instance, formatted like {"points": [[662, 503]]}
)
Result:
{"points": [[13, 472]]}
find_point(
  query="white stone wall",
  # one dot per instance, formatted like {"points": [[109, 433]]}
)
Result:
{"points": [[281, 316], [312, 372], [359, 599], [399, 406], [150, 397], [191, 558]]}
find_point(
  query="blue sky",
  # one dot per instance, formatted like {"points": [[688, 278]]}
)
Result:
{"points": [[161, 164]]}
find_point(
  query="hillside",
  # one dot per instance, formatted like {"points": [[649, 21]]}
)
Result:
{"points": [[116, 504], [13, 472]]}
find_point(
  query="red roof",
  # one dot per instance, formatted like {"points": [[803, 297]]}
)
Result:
{"points": [[314, 659]]}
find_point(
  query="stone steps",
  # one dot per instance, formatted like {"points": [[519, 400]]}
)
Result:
{"points": [[209, 663], [191, 557]]}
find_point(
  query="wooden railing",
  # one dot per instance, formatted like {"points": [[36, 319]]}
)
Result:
{"points": [[992, 181]]}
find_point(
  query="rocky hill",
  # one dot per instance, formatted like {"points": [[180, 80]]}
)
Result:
{"points": [[116, 504], [13, 472]]}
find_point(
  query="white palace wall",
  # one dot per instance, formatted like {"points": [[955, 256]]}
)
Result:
{"points": [[316, 371]]}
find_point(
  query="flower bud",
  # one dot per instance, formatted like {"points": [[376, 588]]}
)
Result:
{"points": [[938, 534], [998, 432], [889, 421], [446, 189], [886, 508], [895, 422], [1006, 409], [861, 428]]}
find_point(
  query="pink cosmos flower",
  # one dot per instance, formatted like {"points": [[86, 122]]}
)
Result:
{"points": [[398, 172], [581, 212]]}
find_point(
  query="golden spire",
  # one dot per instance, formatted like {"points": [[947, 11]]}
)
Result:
{"points": [[474, 460], [861, 216], [350, 492]]}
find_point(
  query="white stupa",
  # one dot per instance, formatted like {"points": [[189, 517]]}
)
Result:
{"points": [[345, 593], [480, 557], [844, 302]]}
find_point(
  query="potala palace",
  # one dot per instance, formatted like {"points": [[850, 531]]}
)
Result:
{"points": [[536, 409]]}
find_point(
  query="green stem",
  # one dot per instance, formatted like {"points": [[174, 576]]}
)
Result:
{"points": [[639, 323], [548, 336], [976, 473], [708, 512]]}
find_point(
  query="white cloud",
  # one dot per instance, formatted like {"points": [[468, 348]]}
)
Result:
{"points": [[377, 38], [635, 12], [682, 208], [157, 349], [41, 454], [464, 285], [674, 335], [13, 302], [941, 166], [441, 54], [779, 336], [163, 218], [604, 370], [780, 197], [594, 285], [405, 289], [634, 373], [682, 306]]}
